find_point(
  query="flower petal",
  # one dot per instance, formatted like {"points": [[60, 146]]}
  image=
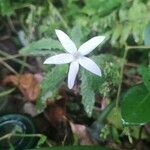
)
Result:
{"points": [[66, 42], [73, 70], [90, 65], [59, 59], [90, 45]]}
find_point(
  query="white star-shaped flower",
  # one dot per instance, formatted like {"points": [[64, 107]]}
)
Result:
{"points": [[76, 57]]}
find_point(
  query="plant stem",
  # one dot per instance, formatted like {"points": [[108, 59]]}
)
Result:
{"points": [[9, 135], [23, 66], [10, 57], [127, 48], [138, 47], [121, 76], [8, 67], [14, 58]]}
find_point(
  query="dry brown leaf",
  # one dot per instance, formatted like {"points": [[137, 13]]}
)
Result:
{"points": [[55, 112], [81, 131], [27, 84]]}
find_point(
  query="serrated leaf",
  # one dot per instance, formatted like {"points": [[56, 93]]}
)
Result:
{"points": [[51, 84], [135, 106], [110, 67], [42, 47], [88, 96]]}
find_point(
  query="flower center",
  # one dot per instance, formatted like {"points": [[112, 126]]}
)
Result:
{"points": [[76, 55]]}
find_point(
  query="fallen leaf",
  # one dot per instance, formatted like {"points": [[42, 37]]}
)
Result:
{"points": [[27, 83], [55, 112]]}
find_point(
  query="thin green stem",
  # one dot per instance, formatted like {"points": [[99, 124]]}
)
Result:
{"points": [[14, 58], [9, 135], [146, 47], [10, 57], [127, 48], [121, 76], [23, 66]]}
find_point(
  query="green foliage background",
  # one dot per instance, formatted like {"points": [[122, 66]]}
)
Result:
{"points": [[125, 23], [122, 22]]}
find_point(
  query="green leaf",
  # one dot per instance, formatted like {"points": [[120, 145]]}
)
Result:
{"points": [[106, 7], [137, 11], [91, 7], [76, 35], [74, 148], [101, 7], [110, 67], [42, 47], [114, 118], [6, 8], [145, 72], [116, 33], [138, 16], [88, 96], [6, 92], [147, 34], [51, 84], [135, 106], [126, 31]]}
